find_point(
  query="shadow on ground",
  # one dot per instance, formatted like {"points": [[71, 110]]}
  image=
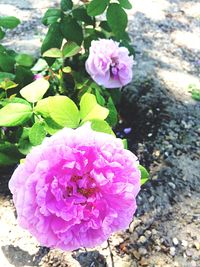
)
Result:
{"points": [[19, 257]]}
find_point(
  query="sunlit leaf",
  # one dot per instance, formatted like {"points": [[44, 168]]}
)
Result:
{"points": [[14, 114], [70, 49], [35, 90], [90, 109], [144, 174], [8, 84], [37, 133], [101, 126], [61, 109], [53, 52]]}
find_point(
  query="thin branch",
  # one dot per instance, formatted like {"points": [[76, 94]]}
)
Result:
{"points": [[111, 254]]}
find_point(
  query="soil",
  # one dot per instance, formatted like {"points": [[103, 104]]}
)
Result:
{"points": [[165, 130]]}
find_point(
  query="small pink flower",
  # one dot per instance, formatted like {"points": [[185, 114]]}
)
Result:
{"points": [[76, 188], [109, 64], [37, 76]]}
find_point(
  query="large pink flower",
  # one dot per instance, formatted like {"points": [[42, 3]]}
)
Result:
{"points": [[109, 64], [76, 188]]}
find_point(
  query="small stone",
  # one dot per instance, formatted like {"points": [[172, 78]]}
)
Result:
{"points": [[189, 252], [134, 237], [142, 239], [184, 243], [116, 240], [172, 185], [147, 234], [193, 264], [118, 263], [197, 245], [136, 254], [154, 177], [154, 231], [157, 248], [144, 262], [175, 241], [172, 251], [151, 199], [142, 251], [134, 224], [123, 264], [156, 153]]}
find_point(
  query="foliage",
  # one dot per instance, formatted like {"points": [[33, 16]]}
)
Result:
{"points": [[195, 92], [62, 94]]}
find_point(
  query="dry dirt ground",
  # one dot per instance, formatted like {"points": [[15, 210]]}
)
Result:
{"points": [[165, 134]]}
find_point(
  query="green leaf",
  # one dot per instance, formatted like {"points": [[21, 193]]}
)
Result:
{"points": [[195, 91], [89, 39], [24, 60], [128, 46], [112, 118], [125, 143], [67, 69], [99, 97], [81, 15], [2, 49], [51, 16], [144, 174], [104, 25], [53, 39], [51, 126], [101, 126], [117, 19], [125, 4], [37, 133], [24, 146], [196, 94], [9, 22], [53, 52], [40, 65], [14, 114], [97, 7], [6, 62], [8, 84], [9, 154], [66, 5], [90, 109], [116, 96], [70, 49], [5, 75], [2, 34], [35, 90], [23, 76], [61, 109], [17, 100], [71, 30]]}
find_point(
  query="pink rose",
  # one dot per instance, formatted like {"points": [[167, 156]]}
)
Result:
{"points": [[76, 188], [109, 64]]}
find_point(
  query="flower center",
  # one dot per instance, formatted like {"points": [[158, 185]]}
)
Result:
{"points": [[114, 67], [84, 185]]}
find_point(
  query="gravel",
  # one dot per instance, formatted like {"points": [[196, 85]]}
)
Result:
{"points": [[165, 135]]}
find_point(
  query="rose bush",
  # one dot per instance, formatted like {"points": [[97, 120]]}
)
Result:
{"points": [[76, 188]]}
